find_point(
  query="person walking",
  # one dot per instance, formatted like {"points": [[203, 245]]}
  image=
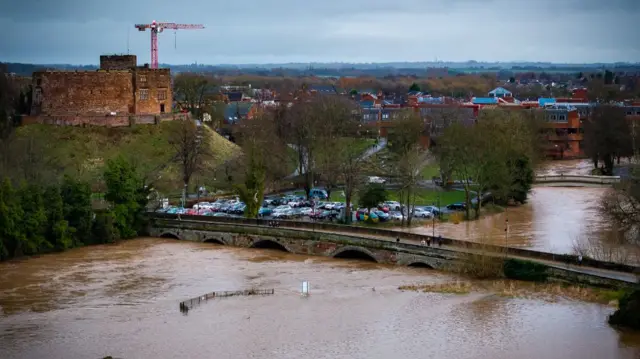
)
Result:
{"points": [[440, 241], [398, 240], [423, 242], [580, 259]]}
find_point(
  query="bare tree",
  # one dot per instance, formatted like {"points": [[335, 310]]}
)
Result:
{"points": [[407, 158], [192, 149], [263, 160], [607, 135], [191, 92]]}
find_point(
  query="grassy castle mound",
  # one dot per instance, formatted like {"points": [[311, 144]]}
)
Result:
{"points": [[83, 151]]}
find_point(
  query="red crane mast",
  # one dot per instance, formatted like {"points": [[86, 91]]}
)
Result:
{"points": [[158, 27]]}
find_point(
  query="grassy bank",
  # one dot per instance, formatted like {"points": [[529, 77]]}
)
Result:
{"points": [[520, 289], [83, 151]]}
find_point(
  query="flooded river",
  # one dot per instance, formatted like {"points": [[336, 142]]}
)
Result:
{"points": [[122, 300]]}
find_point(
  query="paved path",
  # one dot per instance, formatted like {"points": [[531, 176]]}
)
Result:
{"points": [[604, 273]]}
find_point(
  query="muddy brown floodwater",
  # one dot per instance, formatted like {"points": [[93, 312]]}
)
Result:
{"points": [[553, 220], [122, 300]]}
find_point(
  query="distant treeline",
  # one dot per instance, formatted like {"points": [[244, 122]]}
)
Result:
{"points": [[421, 69]]}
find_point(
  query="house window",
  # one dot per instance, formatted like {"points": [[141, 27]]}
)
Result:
{"points": [[144, 94], [629, 113], [562, 118], [143, 78], [552, 117], [162, 95]]}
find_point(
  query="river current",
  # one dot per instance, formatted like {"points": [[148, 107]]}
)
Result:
{"points": [[122, 300]]}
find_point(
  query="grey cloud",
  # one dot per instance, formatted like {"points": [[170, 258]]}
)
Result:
{"points": [[256, 31]]}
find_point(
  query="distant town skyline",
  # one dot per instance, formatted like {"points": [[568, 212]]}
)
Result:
{"points": [[331, 31]]}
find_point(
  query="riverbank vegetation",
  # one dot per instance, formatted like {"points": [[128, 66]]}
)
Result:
{"points": [[494, 156], [37, 219], [525, 290]]}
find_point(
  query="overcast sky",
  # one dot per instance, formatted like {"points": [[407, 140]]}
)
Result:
{"points": [[268, 31]]}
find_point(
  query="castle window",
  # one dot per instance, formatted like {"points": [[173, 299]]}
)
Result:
{"points": [[143, 78], [144, 94], [37, 96], [162, 95]]}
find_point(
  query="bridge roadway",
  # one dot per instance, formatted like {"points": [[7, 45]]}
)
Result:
{"points": [[627, 276]]}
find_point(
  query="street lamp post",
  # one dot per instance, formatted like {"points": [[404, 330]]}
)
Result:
{"points": [[506, 232]]}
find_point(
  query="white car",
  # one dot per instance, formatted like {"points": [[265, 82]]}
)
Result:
{"points": [[376, 179], [392, 205], [396, 216], [305, 211], [421, 213], [202, 205]]}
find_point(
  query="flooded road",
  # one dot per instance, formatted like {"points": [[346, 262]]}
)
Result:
{"points": [[553, 220], [122, 300]]}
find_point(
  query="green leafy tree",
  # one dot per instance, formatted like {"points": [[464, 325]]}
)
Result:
{"points": [[103, 230], [414, 87], [11, 235], [34, 220], [127, 194], [58, 232], [372, 195], [77, 209]]}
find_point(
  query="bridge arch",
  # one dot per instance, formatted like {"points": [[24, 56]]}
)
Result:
{"points": [[352, 252], [214, 241], [420, 264], [269, 244], [170, 235]]}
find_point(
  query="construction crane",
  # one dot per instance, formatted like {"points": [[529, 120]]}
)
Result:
{"points": [[158, 27]]}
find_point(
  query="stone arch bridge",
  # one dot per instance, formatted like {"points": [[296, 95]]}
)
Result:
{"points": [[305, 242]]}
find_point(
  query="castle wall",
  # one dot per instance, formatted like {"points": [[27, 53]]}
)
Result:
{"points": [[118, 62], [153, 93], [65, 93]]}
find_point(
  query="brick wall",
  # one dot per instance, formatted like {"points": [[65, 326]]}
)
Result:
{"points": [[65, 93], [118, 62], [152, 91]]}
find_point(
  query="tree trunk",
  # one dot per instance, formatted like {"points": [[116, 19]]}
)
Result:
{"points": [[479, 203], [467, 201], [608, 165], [184, 194]]}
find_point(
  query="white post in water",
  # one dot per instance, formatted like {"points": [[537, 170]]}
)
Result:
{"points": [[305, 289]]}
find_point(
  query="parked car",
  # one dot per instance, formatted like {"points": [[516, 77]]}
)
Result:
{"points": [[318, 193], [457, 206], [396, 216], [392, 205], [376, 179], [265, 211], [382, 216], [421, 213], [433, 209]]}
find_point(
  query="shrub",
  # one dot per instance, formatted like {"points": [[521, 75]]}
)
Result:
{"points": [[525, 270], [628, 313], [103, 229]]}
